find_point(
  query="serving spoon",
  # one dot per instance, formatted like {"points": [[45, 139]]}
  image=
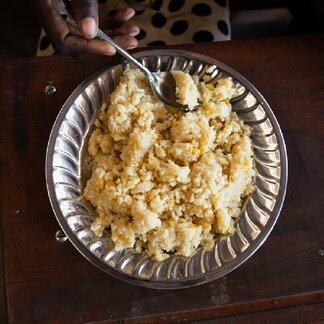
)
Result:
{"points": [[162, 84]]}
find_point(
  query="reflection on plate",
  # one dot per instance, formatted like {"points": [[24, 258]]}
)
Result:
{"points": [[66, 173]]}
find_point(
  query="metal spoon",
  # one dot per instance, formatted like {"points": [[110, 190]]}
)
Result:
{"points": [[162, 83]]}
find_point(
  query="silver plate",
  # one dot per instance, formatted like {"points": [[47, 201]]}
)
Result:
{"points": [[65, 179]]}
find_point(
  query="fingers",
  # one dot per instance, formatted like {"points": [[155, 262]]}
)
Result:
{"points": [[126, 41], [126, 29], [77, 45], [86, 15], [119, 18]]}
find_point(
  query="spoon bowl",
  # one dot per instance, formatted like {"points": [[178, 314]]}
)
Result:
{"points": [[164, 87]]}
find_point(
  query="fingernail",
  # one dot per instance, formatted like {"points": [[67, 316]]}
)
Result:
{"points": [[134, 32], [110, 50], [89, 27], [129, 13], [131, 46]]}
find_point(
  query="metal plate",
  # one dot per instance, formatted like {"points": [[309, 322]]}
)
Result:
{"points": [[64, 175]]}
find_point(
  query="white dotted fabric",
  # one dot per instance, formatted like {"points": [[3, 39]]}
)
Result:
{"points": [[167, 22]]}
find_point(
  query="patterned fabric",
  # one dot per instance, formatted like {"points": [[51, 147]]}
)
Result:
{"points": [[167, 22]]}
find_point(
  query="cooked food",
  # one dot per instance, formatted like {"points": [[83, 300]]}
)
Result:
{"points": [[186, 89], [164, 181]]}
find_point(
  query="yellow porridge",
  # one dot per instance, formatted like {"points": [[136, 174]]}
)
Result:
{"points": [[165, 181]]}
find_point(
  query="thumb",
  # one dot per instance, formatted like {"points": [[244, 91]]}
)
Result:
{"points": [[86, 15]]}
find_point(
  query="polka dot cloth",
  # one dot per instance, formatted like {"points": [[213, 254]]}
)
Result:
{"points": [[168, 22]]}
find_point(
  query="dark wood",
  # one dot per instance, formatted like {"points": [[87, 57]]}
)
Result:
{"points": [[297, 315], [244, 312], [47, 281]]}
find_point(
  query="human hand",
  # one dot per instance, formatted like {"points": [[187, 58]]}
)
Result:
{"points": [[85, 13]]}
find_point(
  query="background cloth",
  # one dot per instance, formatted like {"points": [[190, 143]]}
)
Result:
{"points": [[167, 22]]}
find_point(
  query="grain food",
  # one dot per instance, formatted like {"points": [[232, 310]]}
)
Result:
{"points": [[164, 181], [186, 89]]}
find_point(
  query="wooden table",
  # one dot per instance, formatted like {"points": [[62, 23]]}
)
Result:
{"points": [[48, 281]]}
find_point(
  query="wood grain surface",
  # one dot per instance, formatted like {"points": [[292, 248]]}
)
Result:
{"points": [[50, 282]]}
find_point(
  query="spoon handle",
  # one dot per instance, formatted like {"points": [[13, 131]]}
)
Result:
{"points": [[124, 53], [65, 12]]}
